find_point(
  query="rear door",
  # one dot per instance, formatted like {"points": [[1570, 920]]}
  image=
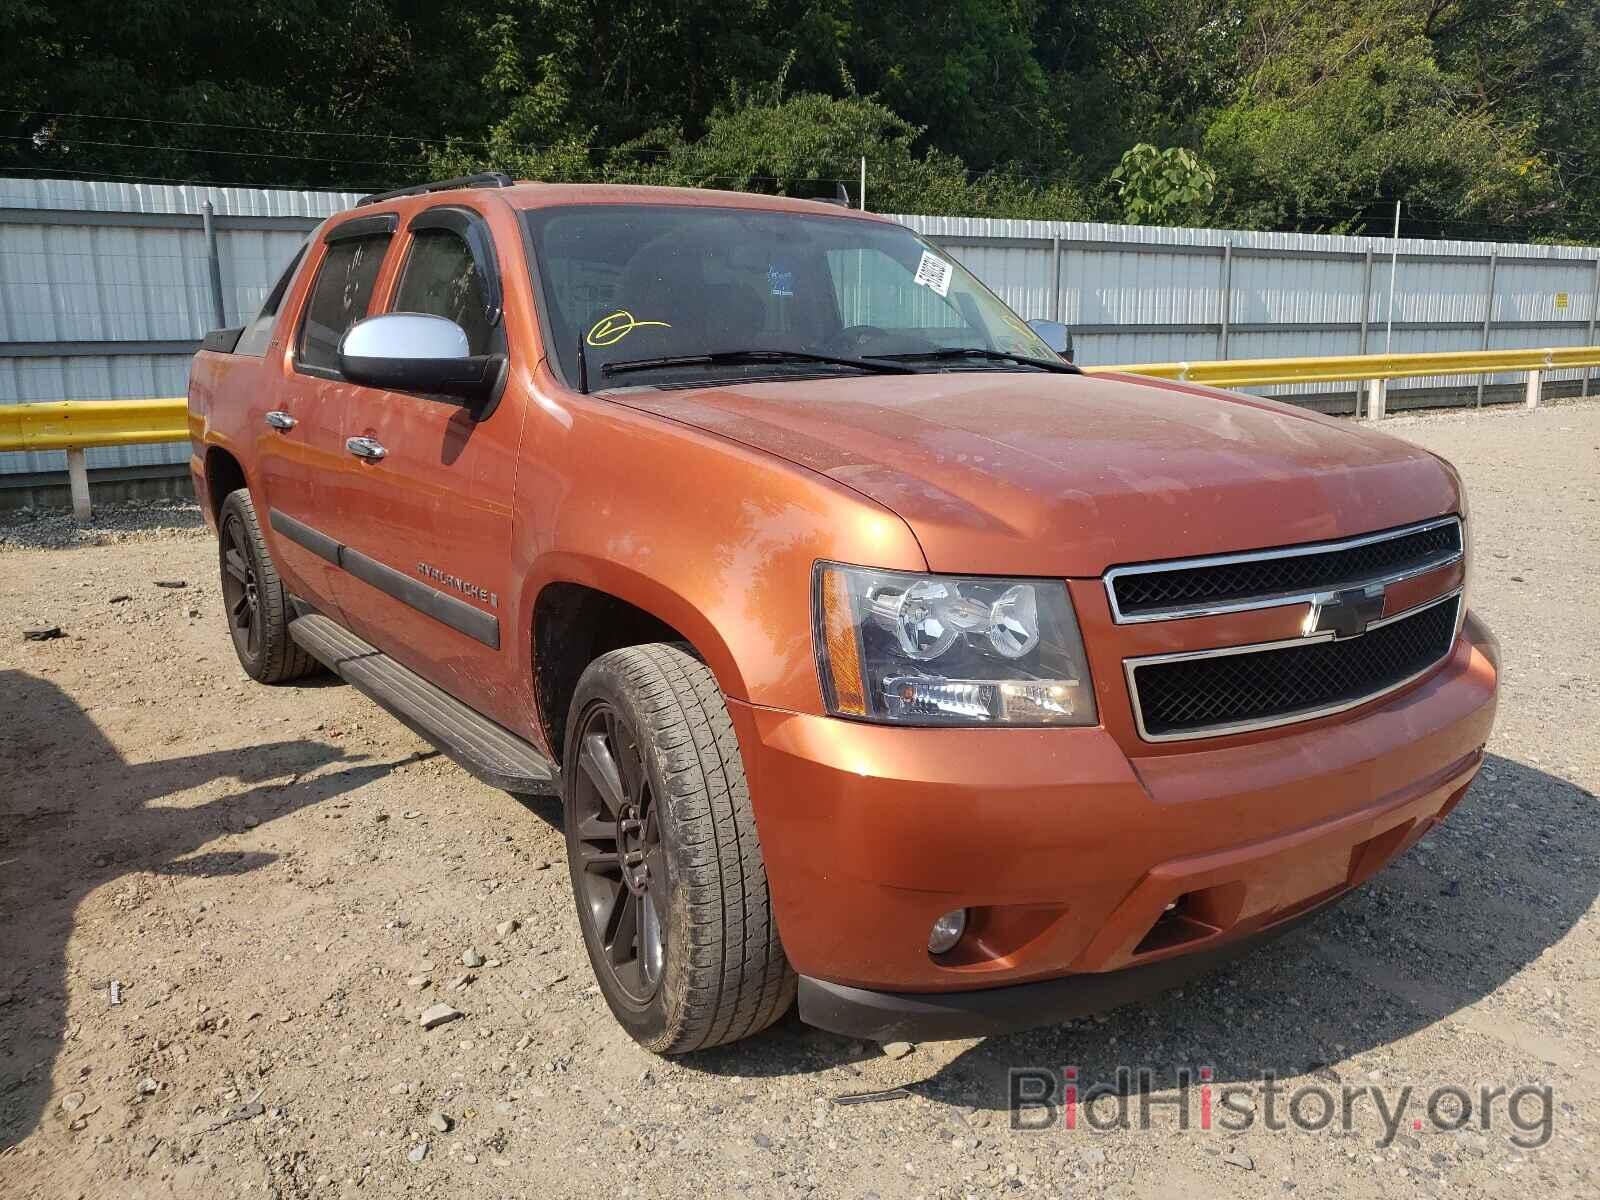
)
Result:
{"points": [[296, 418], [426, 528]]}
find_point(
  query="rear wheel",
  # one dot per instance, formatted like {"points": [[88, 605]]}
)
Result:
{"points": [[254, 599], [666, 868]]}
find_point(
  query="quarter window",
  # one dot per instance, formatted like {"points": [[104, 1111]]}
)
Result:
{"points": [[339, 298], [441, 278], [259, 332]]}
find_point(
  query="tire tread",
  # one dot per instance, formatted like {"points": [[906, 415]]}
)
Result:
{"points": [[283, 660], [738, 980]]}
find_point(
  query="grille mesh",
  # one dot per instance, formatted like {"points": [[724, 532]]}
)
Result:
{"points": [[1184, 587], [1202, 693]]}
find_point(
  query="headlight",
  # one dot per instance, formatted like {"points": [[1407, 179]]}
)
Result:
{"points": [[946, 650]]}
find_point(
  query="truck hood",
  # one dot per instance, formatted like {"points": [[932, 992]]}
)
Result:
{"points": [[1000, 472]]}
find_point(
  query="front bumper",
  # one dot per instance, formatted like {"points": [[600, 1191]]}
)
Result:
{"points": [[1075, 858], [936, 1016]]}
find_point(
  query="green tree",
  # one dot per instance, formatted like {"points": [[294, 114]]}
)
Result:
{"points": [[1531, 62], [964, 71], [807, 145], [1163, 187], [1346, 108], [1483, 116]]}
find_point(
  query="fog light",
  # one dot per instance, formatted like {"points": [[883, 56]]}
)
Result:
{"points": [[947, 931]]}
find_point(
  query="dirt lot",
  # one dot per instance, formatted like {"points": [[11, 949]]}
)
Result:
{"points": [[222, 907]]}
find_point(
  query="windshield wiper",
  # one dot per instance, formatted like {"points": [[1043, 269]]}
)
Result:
{"points": [[719, 358], [1047, 364]]}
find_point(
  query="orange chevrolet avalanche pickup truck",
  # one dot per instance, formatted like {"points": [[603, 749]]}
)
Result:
{"points": [[876, 653]]}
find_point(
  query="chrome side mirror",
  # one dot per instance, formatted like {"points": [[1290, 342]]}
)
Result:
{"points": [[415, 352], [1055, 335]]}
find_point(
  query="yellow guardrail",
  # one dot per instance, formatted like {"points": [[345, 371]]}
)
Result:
{"points": [[74, 425], [1251, 372]]}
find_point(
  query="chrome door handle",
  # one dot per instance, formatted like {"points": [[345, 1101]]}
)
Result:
{"points": [[281, 420], [364, 447]]}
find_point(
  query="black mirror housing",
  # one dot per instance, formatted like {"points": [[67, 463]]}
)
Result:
{"points": [[470, 379]]}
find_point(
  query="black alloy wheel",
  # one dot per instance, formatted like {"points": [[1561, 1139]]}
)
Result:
{"points": [[666, 867], [241, 590], [624, 885], [254, 598]]}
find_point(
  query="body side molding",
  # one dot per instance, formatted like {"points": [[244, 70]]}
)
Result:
{"points": [[441, 606]]}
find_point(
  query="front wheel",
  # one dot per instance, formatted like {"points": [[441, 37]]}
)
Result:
{"points": [[666, 868]]}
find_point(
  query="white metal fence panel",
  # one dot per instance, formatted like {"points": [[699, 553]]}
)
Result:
{"points": [[105, 290], [1145, 294]]}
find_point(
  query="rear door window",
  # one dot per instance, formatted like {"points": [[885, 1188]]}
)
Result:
{"points": [[441, 278], [339, 298]]}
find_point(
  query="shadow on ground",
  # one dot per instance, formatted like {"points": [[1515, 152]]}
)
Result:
{"points": [[74, 816], [1443, 927]]}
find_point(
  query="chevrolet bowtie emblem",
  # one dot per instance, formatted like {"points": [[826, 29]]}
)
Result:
{"points": [[1344, 614]]}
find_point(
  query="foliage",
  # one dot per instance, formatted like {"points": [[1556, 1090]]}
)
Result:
{"points": [[1481, 116], [1347, 108], [1163, 187]]}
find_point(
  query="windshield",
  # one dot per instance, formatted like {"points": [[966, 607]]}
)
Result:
{"points": [[644, 282]]}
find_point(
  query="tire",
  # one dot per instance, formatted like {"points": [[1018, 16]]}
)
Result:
{"points": [[654, 781], [254, 599]]}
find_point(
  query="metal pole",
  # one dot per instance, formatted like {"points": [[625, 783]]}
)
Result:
{"points": [[206, 215], [1394, 262], [78, 481], [1366, 313], [1055, 278], [1488, 310], [1227, 299], [1594, 306], [863, 183]]}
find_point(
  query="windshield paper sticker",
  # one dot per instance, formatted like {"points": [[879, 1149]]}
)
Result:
{"points": [[612, 328], [780, 279], [933, 272]]}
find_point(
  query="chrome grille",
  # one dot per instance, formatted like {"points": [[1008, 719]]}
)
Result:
{"points": [[1211, 692], [1268, 578]]}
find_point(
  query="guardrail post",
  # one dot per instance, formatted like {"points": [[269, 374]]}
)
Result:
{"points": [[1377, 399], [78, 480], [1533, 388]]}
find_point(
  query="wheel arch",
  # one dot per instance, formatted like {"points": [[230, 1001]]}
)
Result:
{"points": [[224, 474], [578, 615]]}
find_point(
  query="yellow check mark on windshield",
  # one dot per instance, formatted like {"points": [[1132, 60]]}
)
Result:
{"points": [[611, 329]]}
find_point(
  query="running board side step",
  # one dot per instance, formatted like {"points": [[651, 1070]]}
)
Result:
{"points": [[488, 750]]}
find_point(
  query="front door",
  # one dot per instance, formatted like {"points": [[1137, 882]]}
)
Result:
{"points": [[426, 527]]}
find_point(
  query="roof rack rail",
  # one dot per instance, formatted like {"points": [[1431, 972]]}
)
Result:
{"points": [[496, 179]]}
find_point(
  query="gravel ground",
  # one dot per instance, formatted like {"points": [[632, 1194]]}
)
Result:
{"points": [[223, 907], [133, 521]]}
